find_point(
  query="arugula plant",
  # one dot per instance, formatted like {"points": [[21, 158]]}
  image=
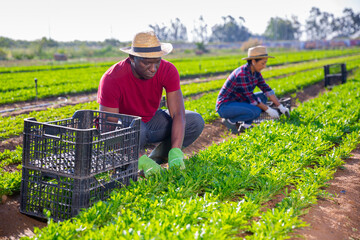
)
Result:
{"points": [[254, 186]]}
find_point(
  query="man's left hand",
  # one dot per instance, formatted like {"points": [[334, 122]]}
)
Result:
{"points": [[176, 158]]}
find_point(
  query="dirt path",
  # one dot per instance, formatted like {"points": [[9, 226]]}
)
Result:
{"points": [[337, 218], [329, 219]]}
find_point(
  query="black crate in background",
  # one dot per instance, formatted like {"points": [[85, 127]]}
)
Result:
{"points": [[334, 73], [286, 102], [71, 163], [163, 102]]}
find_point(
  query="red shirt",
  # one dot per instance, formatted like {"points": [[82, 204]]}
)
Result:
{"points": [[119, 88]]}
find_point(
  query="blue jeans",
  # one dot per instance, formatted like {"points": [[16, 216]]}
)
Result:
{"points": [[158, 129], [241, 111]]}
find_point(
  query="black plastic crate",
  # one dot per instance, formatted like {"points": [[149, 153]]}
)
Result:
{"points": [[286, 102], [63, 196], [66, 160], [334, 73], [83, 145]]}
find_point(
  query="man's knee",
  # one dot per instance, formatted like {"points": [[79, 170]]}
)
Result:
{"points": [[194, 127], [194, 122], [143, 138]]}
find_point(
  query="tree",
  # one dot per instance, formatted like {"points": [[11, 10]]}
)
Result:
{"points": [[48, 42], [283, 29], [347, 25], [296, 27], [178, 31], [3, 54], [200, 31], [320, 25], [112, 42], [6, 42], [160, 31], [230, 30], [200, 36]]}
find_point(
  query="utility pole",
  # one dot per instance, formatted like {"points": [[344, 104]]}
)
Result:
{"points": [[36, 91]]}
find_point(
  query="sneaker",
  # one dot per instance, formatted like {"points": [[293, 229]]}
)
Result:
{"points": [[233, 127], [244, 126]]}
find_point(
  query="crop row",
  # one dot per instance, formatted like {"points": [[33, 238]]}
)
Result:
{"points": [[192, 89], [278, 71], [20, 86], [228, 63], [224, 190], [10, 180], [280, 56], [52, 66], [205, 105]]}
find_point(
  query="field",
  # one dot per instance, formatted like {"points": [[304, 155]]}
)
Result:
{"points": [[267, 183]]}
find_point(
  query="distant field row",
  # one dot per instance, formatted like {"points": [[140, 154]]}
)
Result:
{"points": [[20, 86], [281, 57], [205, 105]]}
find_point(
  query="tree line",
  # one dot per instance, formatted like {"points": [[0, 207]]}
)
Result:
{"points": [[319, 26]]}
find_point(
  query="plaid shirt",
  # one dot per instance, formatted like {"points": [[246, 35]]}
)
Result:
{"points": [[240, 85]]}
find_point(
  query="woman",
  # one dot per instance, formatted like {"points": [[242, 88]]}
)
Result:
{"points": [[237, 103]]}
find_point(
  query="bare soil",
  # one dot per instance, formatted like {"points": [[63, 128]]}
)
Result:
{"points": [[336, 218], [339, 217]]}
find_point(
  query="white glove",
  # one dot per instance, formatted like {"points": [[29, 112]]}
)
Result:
{"points": [[272, 112], [284, 110]]}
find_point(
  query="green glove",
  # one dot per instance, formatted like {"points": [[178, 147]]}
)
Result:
{"points": [[176, 158], [148, 165]]}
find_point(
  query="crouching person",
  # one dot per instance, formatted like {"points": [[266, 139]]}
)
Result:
{"points": [[134, 86], [237, 103]]}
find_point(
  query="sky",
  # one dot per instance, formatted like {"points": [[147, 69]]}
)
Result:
{"points": [[90, 20]]}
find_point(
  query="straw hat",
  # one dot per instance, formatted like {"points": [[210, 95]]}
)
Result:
{"points": [[147, 45], [257, 53]]}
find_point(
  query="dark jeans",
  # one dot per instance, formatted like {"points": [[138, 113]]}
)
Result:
{"points": [[158, 129], [241, 111]]}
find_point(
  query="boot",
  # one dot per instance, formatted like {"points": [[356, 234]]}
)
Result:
{"points": [[161, 151]]}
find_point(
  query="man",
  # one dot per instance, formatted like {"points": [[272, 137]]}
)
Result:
{"points": [[134, 86]]}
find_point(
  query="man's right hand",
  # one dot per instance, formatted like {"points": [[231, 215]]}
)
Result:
{"points": [[148, 165], [272, 112]]}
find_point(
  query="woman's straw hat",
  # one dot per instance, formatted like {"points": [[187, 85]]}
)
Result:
{"points": [[147, 45], [257, 53]]}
